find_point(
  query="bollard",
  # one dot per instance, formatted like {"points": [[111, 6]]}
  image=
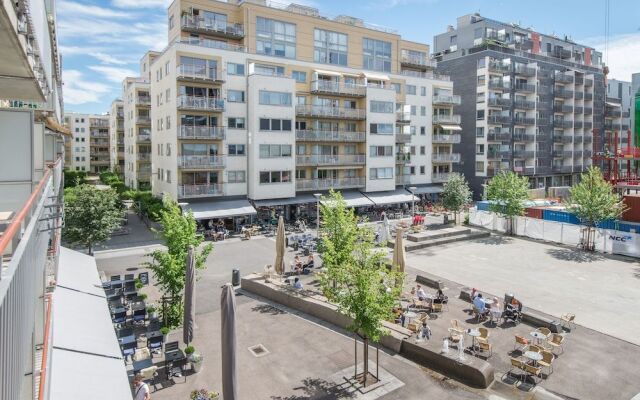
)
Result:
{"points": [[235, 277]]}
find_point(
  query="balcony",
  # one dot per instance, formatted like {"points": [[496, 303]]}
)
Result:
{"points": [[525, 87], [563, 108], [342, 159], [578, 109], [446, 100], [588, 138], [206, 190], [403, 158], [499, 119], [521, 137], [308, 110], [439, 177], [577, 124], [586, 153], [98, 123], [496, 135], [613, 114], [523, 70], [446, 119], [588, 96], [200, 103], [520, 120], [523, 153], [143, 101], [524, 104], [579, 80], [588, 82], [445, 157], [202, 132], [194, 73], [499, 102], [563, 93], [143, 138], [143, 120], [338, 88], [201, 162], [577, 154], [496, 66], [403, 117], [145, 157], [326, 184], [567, 153], [588, 111], [211, 44], [561, 53], [563, 78], [403, 179], [558, 153], [560, 123], [567, 139], [446, 139], [329, 136], [194, 23], [415, 61], [608, 125], [562, 168], [499, 85], [624, 127], [144, 175], [579, 95], [99, 134], [403, 138], [493, 154]]}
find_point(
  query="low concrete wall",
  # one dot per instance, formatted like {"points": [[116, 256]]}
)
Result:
{"points": [[431, 282], [476, 372]]}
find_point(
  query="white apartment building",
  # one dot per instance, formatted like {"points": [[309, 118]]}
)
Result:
{"points": [[116, 137], [89, 146], [232, 120]]}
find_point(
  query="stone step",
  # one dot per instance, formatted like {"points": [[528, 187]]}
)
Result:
{"points": [[411, 246], [437, 234]]}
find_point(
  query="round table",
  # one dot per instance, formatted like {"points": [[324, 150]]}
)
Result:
{"points": [[533, 356], [474, 333], [410, 315], [538, 336]]}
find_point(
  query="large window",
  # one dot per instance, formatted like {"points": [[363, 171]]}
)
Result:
{"points": [[237, 176], [381, 173], [235, 123], [274, 124], [376, 55], [198, 66], [380, 151], [330, 47], [275, 177], [275, 38], [275, 150], [381, 106], [381, 129], [275, 98], [235, 96], [236, 150], [235, 69], [199, 149]]}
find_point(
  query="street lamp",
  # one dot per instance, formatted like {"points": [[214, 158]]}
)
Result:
{"points": [[317, 196], [412, 189]]}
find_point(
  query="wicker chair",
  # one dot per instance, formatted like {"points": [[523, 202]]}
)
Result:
{"points": [[484, 335], [556, 341], [521, 343], [533, 371], [568, 320], [547, 360]]}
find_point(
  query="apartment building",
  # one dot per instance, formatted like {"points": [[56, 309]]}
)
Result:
{"points": [[116, 137], [90, 142], [137, 126], [531, 103], [273, 103], [618, 111]]}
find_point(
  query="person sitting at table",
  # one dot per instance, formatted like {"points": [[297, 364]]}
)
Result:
{"points": [[309, 263], [422, 295], [296, 264], [441, 298], [297, 284], [479, 304]]}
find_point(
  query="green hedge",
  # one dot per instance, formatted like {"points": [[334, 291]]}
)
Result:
{"points": [[74, 178]]}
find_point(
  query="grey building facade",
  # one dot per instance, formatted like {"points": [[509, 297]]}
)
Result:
{"points": [[530, 103]]}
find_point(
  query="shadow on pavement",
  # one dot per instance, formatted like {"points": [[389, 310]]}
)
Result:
{"points": [[267, 309], [494, 240], [314, 388], [574, 255]]}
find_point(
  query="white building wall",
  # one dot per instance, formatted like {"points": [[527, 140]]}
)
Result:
{"points": [[387, 95], [80, 154]]}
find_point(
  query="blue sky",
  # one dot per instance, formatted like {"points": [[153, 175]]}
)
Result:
{"points": [[101, 41]]}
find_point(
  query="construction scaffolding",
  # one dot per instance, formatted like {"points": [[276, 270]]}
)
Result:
{"points": [[619, 163]]}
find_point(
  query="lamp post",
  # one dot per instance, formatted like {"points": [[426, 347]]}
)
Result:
{"points": [[317, 196], [412, 189]]}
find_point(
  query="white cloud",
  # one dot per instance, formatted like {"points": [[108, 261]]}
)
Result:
{"points": [[389, 4], [107, 58], [72, 8], [113, 74], [78, 90], [623, 55], [140, 3]]}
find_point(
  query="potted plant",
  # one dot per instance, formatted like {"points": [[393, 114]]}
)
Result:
{"points": [[204, 394], [143, 296], [152, 311], [165, 331], [194, 358]]}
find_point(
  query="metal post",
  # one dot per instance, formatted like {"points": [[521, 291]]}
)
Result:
{"points": [[317, 196], [412, 189]]}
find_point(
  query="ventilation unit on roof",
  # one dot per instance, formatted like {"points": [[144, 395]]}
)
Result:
{"points": [[304, 10], [346, 19]]}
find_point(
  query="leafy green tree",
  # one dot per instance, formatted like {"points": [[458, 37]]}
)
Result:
{"points": [[593, 201], [508, 191], [178, 232], [91, 215], [74, 178], [357, 277], [456, 194]]}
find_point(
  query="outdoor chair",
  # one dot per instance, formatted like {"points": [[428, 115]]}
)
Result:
{"points": [[120, 333], [155, 344], [140, 315], [534, 348], [412, 326], [129, 277], [128, 350], [455, 336], [544, 331], [486, 347], [484, 335], [115, 278], [177, 369], [533, 371], [436, 307], [521, 343], [119, 318], [547, 360], [455, 324], [480, 315], [154, 325], [518, 366], [171, 346], [568, 320], [556, 341], [129, 288], [141, 354]]}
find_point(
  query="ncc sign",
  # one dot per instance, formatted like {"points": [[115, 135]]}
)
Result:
{"points": [[622, 239]]}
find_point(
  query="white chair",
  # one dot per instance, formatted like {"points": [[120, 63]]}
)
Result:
{"points": [[149, 374], [142, 354]]}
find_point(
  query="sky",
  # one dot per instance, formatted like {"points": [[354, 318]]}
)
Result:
{"points": [[102, 41]]}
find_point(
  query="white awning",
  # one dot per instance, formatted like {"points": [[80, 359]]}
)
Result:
{"points": [[327, 73], [353, 198], [220, 209], [391, 197], [428, 189], [613, 104], [302, 199], [376, 77], [75, 275], [451, 127]]}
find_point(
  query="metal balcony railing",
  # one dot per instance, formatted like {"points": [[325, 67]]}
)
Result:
{"points": [[560, 123], [579, 95], [525, 87], [200, 103], [143, 100], [579, 80], [578, 109], [523, 153], [403, 117], [577, 124], [499, 102], [403, 179], [207, 190], [439, 177], [563, 108], [588, 110], [446, 139], [326, 184], [212, 44], [446, 157], [518, 137], [403, 158], [143, 120], [98, 123], [499, 84], [143, 138], [201, 162], [524, 70], [419, 61], [524, 104], [442, 99], [496, 66], [330, 112], [342, 159], [144, 156], [496, 135], [588, 124], [558, 139], [588, 82], [144, 175], [563, 93], [562, 168], [614, 113], [199, 73], [224, 29], [446, 119], [563, 78], [499, 119], [588, 138], [338, 88], [202, 132], [330, 136], [518, 120], [588, 96]]}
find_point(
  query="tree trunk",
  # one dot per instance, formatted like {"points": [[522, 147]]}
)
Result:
{"points": [[90, 249]]}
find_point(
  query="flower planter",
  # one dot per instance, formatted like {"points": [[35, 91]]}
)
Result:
{"points": [[196, 362]]}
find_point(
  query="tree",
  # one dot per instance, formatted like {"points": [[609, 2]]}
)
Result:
{"points": [[91, 215], [456, 194], [357, 277], [178, 231], [593, 201], [74, 178], [508, 191]]}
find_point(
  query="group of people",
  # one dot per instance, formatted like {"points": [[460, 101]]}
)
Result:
{"points": [[512, 309], [299, 267], [419, 293]]}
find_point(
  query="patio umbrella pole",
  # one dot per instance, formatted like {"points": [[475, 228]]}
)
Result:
{"points": [[355, 352]]}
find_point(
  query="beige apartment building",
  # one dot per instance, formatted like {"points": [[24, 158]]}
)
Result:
{"points": [[89, 146], [116, 137], [272, 104]]}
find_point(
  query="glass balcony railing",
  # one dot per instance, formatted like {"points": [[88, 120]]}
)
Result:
{"points": [[200, 103], [203, 190], [443, 99], [330, 112], [342, 159], [439, 177], [446, 119], [338, 88], [225, 29], [326, 184], [330, 136], [199, 73], [202, 132], [451, 139], [201, 162]]}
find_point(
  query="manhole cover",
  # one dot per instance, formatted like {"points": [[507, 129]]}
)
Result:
{"points": [[258, 350]]}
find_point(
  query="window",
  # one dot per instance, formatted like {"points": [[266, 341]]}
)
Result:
{"points": [[275, 38], [423, 130], [412, 130], [235, 123], [414, 110], [235, 69], [412, 170], [236, 150], [235, 96], [168, 176], [273, 124], [329, 47], [480, 131], [168, 149], [275, 150], [412, 150], [381, 129], [167, 95], [381, 106], [411, 89], [299, 76], [275, 98], [423, 111], [480, 114], [422, 170], [376, 55], [423, 150], [397, 87], [480, 149], [453, 39], [275, 177], [168, 122], [480, 97], [479, 166], [171, 22], [381, 173], [166, 67], [381, 151], [423, 91], [481, 80], [237, 176]]}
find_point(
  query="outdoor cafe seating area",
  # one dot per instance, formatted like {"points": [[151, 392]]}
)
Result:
{"points": [[139, 333]]}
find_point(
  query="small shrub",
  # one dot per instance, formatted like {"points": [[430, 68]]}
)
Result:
{"points": [[164, 330], [189, 350]]}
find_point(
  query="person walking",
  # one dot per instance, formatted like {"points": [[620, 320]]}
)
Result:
{"points": [[140, 389]]}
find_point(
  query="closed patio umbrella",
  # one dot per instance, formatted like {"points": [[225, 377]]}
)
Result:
{"points": [[228, 337], [399, 260], [189, 298], [384, 230], [280, 247]]}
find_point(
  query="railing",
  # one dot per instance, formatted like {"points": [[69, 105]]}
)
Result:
{"points": [[446, 119], [563, 78], [120, 114], [214, 189], [403, 179], [446, 157], [196, 162], [523, 120], [120, 126], [524, 70], [523, 153], [143, 137], [588, 110], [497, 136], [143, 120], [198, 73], [525, 87], [98, 134], [202, 132], [577, 124], [558, 139], [614, 113], [579, 95], [446, 99], [144, 157], [222, 28], [524, 104], [523, 137], [578, 109], [499, 84], [560, 123], [440, 177], [453, 138], [588, 96], [563, 93], [403, 158], [330, 112], [588, 82], [588, 139], [342, 159], [212, 44], [579, 80], [143, 100], [586, 153], [495, 66], [426, 75], [200, 103], [326, 184], [323, 86], [403, 116], [27, 245], [499, 119], [330, 136], [144, 175], [562, 108], [499, 102], [98, 123], [403, 137], [420, 61], [562, 168]]}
